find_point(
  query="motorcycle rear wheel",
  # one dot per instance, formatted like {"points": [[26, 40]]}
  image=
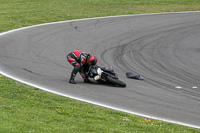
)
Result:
{"points": [[116, 82]]}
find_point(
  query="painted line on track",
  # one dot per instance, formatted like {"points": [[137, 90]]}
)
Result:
{"points": [[84, 100]]}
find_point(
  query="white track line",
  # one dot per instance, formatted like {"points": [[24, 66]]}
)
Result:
{"points": [[84, 100]]}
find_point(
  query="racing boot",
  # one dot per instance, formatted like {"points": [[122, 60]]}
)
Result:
{"points": [[71, 80], [73, 74]]}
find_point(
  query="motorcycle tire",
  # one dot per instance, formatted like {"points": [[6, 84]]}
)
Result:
{"points": [[116, 82]]}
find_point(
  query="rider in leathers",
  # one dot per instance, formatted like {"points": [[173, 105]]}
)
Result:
{"points": [[81, 61]]}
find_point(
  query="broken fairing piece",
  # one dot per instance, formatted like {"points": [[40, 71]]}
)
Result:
{"points": [[134, 76]]}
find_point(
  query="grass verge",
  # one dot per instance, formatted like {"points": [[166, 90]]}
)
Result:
{"points": [[27, 109], [20, 13]]}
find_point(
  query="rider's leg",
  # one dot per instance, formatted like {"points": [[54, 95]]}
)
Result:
{"points": [[73, 74], [76, 65]]}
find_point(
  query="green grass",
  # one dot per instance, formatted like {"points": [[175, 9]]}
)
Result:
{"points": [[27, 109], [20, 13]]}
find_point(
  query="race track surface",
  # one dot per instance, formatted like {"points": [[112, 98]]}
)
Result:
{"points": [[163, 48]]}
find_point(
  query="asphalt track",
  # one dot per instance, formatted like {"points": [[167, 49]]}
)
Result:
{"points": [[163, 48]]}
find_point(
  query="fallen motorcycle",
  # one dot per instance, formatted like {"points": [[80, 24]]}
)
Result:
{"points": [[105, 75]]}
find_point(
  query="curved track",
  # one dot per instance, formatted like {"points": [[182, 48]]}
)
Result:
{"points": [[163, 48]]}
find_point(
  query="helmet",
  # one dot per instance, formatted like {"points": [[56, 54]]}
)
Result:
{"points": [[92, 60]]}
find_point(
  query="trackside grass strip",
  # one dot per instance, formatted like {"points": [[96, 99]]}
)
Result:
{"points": [[20, 13], [24, 109]]}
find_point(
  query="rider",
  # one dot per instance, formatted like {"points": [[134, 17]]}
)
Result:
{"points": [[81, 61]]}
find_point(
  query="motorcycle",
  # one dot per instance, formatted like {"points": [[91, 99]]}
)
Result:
{"points": [[105, 75]]}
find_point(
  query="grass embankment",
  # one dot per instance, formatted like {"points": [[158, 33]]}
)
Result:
{"points": [[27, 109]]}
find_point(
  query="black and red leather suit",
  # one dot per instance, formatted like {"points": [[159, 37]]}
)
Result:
{"points": [[81, 61]]}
